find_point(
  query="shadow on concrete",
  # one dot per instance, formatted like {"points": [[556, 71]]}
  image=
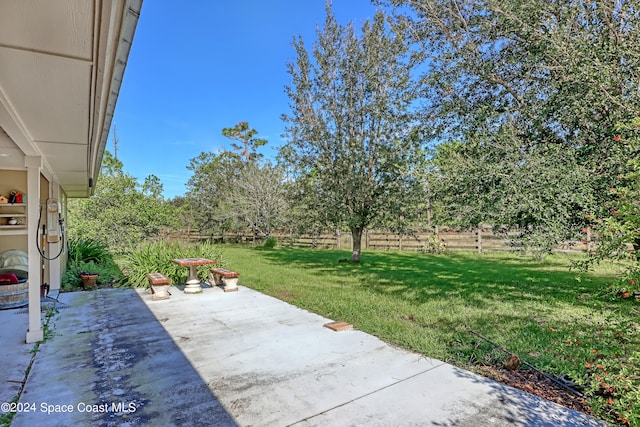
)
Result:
{"points": [[518, 408], [16, 353], [110, 362]]}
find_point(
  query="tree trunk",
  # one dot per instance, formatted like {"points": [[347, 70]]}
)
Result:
{"points": [[356, 238]]}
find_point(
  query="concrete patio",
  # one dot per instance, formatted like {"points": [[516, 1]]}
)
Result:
{"points": [[242, 358]]}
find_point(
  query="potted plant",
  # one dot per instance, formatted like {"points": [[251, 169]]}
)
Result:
{"points": [[88, 279]]}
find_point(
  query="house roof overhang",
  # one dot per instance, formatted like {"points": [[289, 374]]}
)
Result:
{"points": [[61, 67]]}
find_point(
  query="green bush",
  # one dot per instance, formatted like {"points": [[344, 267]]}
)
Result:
{"points": [[93, 257], [614, 387], [87, 250], [433, 246], [156, 257], [108, 274], [270, 243]]}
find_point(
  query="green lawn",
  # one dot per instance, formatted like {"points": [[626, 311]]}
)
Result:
{"points": [[562, 321]]}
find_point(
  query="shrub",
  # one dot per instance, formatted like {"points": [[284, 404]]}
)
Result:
{"points": [[270, 243], [90, 256], [155, 257], [614, 387], [87, 250], [108, 274], [433, 246]]}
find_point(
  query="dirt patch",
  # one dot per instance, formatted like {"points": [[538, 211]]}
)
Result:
{"points": [[535, 383]]}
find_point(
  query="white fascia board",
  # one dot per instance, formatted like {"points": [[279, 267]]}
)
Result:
{"points": [[122, 26]]}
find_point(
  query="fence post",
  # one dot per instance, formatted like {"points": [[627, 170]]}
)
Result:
{"points": [[588, 240], [400, 243], [479, 240], [366, 239]]}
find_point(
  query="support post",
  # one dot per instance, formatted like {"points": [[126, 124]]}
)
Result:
{"points": [[34, 165], [55, 265]]}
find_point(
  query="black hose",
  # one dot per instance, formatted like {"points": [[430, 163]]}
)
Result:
{"points": [[550, 377], [40, 250]]}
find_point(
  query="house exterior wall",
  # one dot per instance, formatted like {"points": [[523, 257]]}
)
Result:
{"points": [[16, 180], [57, 98]]}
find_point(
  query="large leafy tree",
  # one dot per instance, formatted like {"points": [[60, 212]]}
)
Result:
{"points": [[232, 190], [561, 72], [532, 91], [121, 212], [350, 140], [257, 199], [541, 192], [617, 223]]}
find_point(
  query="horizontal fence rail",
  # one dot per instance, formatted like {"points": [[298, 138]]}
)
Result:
{"points": [[480, 239]]}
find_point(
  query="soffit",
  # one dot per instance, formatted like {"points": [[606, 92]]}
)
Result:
{"points": [[58, 63]]}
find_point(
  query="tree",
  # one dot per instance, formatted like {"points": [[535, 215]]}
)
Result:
{"points": [[540, 192], [227, 194], [231, 190], [248, 143], [562, 72], [617, 223], [257, 199], [533, 92], [182, 207], [213, 175], [350, 132], [120, 213], [152, 187]]}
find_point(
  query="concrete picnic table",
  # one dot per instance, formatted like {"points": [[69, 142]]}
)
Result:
{"points": [[193, 283]]}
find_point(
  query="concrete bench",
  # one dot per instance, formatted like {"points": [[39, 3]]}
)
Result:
{"points": [[227, 278], [159, 285]]}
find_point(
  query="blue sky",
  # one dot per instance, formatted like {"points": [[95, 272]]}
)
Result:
{"points": [[201, 65]]}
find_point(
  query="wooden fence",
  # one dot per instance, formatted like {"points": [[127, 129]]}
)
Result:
{"points": [[423, 239]]}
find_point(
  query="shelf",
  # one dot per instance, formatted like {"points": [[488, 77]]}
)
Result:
{"points": [[13, 231], [16, 211]]}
